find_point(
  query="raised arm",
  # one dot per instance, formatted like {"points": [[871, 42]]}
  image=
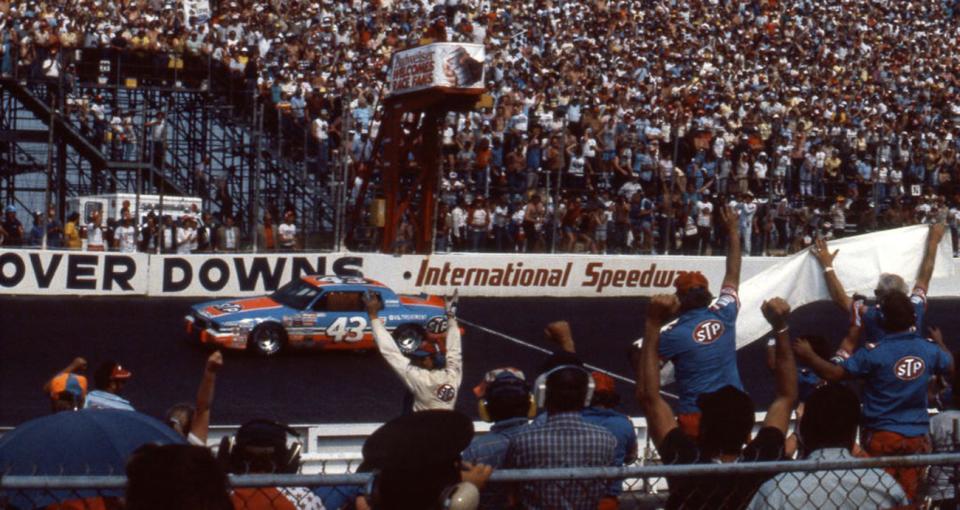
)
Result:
{"points": [[776, 311], [385, 342], [825, 258], [930, 256], [827, 371], [453, 341], [77, 365], [731, 277], [200, 425], [659, 416]]}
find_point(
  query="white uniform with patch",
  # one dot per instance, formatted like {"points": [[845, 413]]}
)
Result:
{"points": [[432, 389]]}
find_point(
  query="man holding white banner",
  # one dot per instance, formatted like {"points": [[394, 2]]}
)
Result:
{"points": [[860, 263], [888, 283]]}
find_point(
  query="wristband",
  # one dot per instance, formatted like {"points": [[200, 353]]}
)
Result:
{"points": [[828, 269], [771, 342]]}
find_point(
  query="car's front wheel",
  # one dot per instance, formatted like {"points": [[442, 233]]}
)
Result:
{"points": [[267, 339], [408, 338]]}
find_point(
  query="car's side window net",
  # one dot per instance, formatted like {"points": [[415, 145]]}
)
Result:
{"points": [[340, 302]]}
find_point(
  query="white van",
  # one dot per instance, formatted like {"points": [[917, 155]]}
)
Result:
{"points": [[111, 206]]}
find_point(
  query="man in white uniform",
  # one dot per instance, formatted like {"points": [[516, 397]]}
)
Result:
{"points": [[433, 380]]}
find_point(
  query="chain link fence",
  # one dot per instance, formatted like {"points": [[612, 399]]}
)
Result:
{"points": [[828, 479]]}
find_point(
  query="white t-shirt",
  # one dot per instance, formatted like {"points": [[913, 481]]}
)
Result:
{"points": [[287, 233], [704, 213], [459, 216], [127, 238], [230, 238], [577, 165], [478, 218], [94, 235], [186, 240]]}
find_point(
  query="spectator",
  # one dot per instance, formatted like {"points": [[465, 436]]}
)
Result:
{"points": [[432, 377], [228, 236], [943, 435], [261, 447], [564, 438], [149, 234], [602, 412], [411, 477], [68, 389], [504, 399], [828, 431], [175, 476], [96, 233], [266, 234], [12, 228], [727, 418], [193, 423], [125, 236], [186, 236], [35, 238], [701, 343], [287, 232], [158, 139], [71, 232], [109, 380], [54, 229], [897, 371]]}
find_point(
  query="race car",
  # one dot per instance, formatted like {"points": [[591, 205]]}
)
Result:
{"points": [[320, 312]]}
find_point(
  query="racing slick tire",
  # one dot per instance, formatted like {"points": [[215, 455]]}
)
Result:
{"points": [[408, 338], [267, 339]]}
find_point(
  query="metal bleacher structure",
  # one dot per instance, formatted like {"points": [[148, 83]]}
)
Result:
{"points": [[259, 158]]}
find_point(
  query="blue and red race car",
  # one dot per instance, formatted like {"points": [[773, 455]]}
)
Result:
{"points": [[321, 312]]}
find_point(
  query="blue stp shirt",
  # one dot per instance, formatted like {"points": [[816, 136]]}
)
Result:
{"points": [[702, 345], [870, 315], [896, 372]]}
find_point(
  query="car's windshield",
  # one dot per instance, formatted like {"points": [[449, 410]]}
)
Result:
{"points": [[296, 294]]}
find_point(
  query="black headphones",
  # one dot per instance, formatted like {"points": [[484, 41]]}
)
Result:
{"points": [[540, 385], [261, 444]]}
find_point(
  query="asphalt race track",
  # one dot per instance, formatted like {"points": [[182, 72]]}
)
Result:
{"points": [[39, 336]]}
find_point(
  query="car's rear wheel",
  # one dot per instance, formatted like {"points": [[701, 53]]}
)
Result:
{"points": [[267, 339], [408, 338]]}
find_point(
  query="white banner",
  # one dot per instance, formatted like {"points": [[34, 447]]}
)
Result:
{"points": [[472, 274], [54, 273], [448, 65], [196, 12], [241, 274]]}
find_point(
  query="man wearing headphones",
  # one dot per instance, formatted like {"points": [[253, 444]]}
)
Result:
{"points": [[897, 371], [432, 378], [563, 439], [260, 446], [503, 398]]}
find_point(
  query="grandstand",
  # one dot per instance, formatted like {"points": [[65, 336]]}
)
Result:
{"points": [[625, 131]]}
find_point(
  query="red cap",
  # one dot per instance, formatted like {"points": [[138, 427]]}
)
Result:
{"points": [[691, 280], [120, 373], [603, 383]]}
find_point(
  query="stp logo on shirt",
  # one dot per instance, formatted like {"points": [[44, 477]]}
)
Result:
{"points": [[708, 331], [909, 368], [446, 393]]}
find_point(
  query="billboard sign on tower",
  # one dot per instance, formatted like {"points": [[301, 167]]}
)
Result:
{"points": [[451, 66]]}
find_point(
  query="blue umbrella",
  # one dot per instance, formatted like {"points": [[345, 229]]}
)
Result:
{"points": [[89, 442]]}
